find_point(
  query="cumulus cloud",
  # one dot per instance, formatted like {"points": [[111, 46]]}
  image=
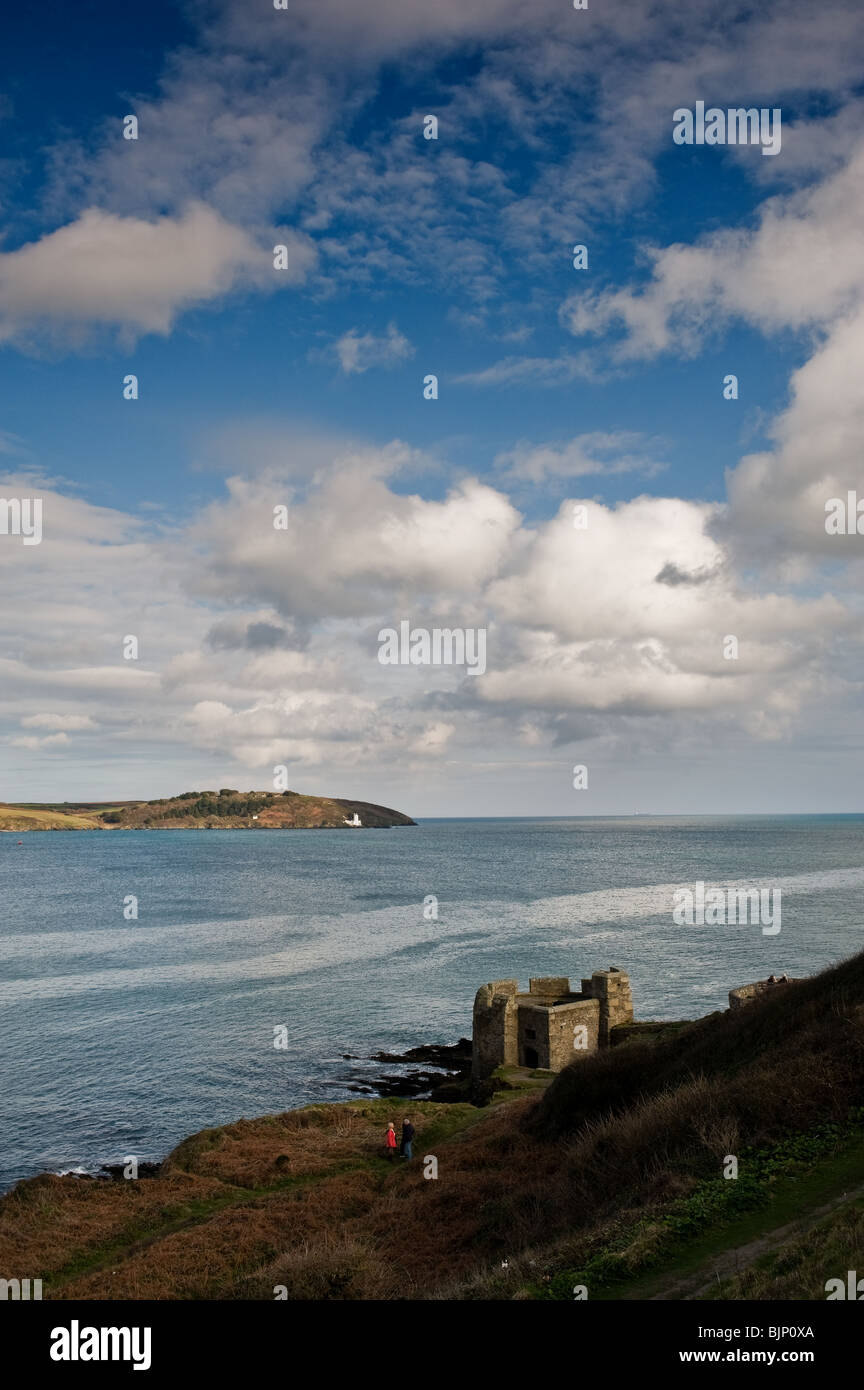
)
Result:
{"points": [[802, 266], [133, 275], [253, 634], [799, 268], [263, 117], [259, 645], [778, 497], [350, 543], [599, 628]]}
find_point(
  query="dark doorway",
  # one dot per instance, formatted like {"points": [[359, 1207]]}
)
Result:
{"points": [[531, 1057]]}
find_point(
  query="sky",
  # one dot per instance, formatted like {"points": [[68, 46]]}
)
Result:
{"points": [[643, 546]]}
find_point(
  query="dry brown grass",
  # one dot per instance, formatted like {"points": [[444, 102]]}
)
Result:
{"points": [[209, 1258], [336, 1266], [227, 1204], [258, 1153], [45, 1222]]}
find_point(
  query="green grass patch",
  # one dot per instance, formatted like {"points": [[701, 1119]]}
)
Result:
{"points": [[776, 1185]]}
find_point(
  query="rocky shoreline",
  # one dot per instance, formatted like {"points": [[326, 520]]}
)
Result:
{"points": [[447, 1082], [433, 1071]]}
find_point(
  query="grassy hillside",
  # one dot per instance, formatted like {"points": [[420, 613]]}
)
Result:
{"points": [[610, 1175], [227, 809], [25, 818]]}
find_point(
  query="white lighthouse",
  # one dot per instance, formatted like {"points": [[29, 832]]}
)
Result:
{"points": [[354, 821]]}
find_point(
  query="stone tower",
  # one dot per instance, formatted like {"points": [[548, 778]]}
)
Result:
{"points": [[612, 988], [551, 1025], [494, 1027]]}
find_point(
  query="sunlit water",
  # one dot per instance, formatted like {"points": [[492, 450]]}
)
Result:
{"points": [[121, 1037]]}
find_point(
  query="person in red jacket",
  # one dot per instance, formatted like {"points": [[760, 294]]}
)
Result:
{"points": [[390, 1141]]}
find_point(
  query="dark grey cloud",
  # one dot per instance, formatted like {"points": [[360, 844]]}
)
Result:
{"points": [[236, 635], [672, 575]]}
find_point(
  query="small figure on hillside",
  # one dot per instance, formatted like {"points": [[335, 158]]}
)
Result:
{"points": [[407, 1138], [390, 1141]]}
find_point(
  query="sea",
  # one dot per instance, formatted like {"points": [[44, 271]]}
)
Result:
{"points": [[120, 1035]]}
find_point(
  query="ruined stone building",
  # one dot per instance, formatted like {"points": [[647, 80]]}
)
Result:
{"points": [[551, 1025], [745, 994]]}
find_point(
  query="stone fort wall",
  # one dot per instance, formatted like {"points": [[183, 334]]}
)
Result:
{"points": [[538, 1029]]}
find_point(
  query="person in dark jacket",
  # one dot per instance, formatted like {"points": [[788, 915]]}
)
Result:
{"points": [[407, 1138]]}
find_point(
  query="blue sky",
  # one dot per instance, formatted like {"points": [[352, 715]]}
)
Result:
{"points": [[557, 386]]}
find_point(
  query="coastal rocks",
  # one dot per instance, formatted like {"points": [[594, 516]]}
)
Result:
{"points": [[421, 1083], [109, 1172], [433, 1054], [117, 1171], [446, 1083]]}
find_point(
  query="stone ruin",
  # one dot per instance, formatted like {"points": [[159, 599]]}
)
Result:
{"points": [[551, 1025], [744, 994]]}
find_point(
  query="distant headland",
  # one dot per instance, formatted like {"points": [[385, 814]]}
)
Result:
{"points": [[226, 809]]}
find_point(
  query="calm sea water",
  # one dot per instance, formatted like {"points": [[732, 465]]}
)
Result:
{"points": [[121, 1037]]}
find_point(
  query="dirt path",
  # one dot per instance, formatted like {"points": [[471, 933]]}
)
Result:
{"points": [[736, 1260]]}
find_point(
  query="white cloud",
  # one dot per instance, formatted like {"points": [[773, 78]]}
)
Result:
{"points": [[262, 116], [357, 352], [778, 497], [597, 627], [133, 275], [351, 543], [259, 645], [802, 266], [33, 743], [588, 630], [598, 452], [799, 268], [534, 371], [70, 722]]}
